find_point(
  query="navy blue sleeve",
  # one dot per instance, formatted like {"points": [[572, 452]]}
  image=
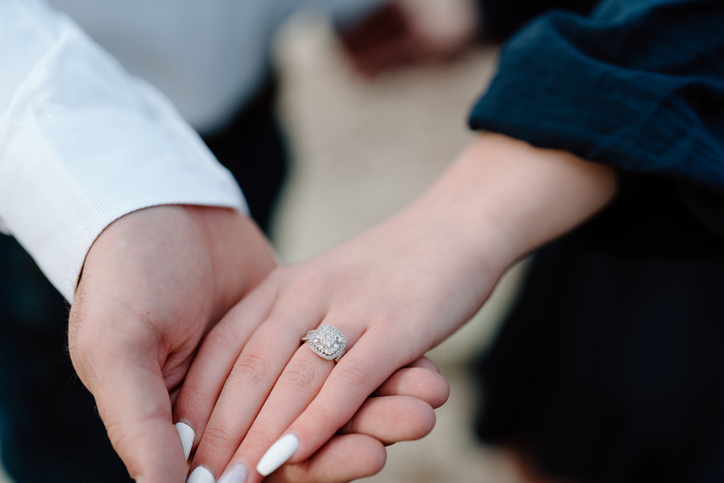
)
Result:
{"points": [[638, 85], [500, 18]]}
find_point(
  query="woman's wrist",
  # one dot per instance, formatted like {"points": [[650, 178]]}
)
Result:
{"points": [[503, 198]]}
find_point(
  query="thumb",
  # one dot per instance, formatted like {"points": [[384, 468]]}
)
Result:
{"points": [[134, 404], [125, 377]]}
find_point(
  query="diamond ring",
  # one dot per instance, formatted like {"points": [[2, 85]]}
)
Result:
{"points": [[327, 342]]}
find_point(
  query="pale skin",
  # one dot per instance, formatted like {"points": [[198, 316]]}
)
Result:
{"points": [[154, 283], [395, 291]]}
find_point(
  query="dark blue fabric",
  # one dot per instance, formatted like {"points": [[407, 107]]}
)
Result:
{"points": [[500, 18], [638, 85], [609, 368]]}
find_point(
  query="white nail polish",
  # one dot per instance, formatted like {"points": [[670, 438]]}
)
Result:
{"points": [[187, 437], [237, 474], [201, 475], [278, 454]]}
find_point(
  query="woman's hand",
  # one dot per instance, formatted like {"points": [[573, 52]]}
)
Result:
{"points": [[394, 292]]}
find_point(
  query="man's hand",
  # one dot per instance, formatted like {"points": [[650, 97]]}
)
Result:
{"points": [[153, 283]]}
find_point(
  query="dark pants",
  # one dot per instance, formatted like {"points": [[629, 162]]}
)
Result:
{"points": [[50, 431], [609, 368]]}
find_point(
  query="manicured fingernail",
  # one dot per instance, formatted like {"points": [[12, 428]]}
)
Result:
{"points": [[187, 437], [201, 475], [237, 474], [278, 454]]}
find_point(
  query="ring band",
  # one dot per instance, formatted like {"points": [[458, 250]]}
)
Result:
{"points": [[327, 342]]}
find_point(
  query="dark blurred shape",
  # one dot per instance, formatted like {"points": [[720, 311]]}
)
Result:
{"points": [[402, 33], [503, 17], [49, 427], [609, 369], [253, 148]]}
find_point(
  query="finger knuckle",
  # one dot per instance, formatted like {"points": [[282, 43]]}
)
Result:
{"points": [[357, 376], [252, 368], [318, 417], [193, 396], [223, 337], [258, 438], [307, 283], [301, 374], [217, 437]]}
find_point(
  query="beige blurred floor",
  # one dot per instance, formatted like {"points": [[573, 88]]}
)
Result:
{"points": [[363, 150]]}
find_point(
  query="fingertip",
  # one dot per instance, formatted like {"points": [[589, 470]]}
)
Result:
{"points": [[187, 435], [134, 405], [155, 459], [201, 475], [364, 454], [428, 418], [413, 419], [373, 459], [278, 454], [439, 391]]}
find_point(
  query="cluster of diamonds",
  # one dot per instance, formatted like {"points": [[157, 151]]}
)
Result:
{"points": [[327, 342]]}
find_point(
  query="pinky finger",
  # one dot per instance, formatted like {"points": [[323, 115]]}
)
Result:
{"points": [[344, 458]]}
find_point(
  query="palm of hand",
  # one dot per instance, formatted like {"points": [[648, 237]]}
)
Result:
{"points": [[153, 284]]}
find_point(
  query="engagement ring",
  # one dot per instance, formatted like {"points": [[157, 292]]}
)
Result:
{"points": [[327, 342]]}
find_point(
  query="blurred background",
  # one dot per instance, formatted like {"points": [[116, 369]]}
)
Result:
{"points": [[363, 147]]}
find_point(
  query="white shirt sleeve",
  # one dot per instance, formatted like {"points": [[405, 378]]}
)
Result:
{"points": [[82, 143]]}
